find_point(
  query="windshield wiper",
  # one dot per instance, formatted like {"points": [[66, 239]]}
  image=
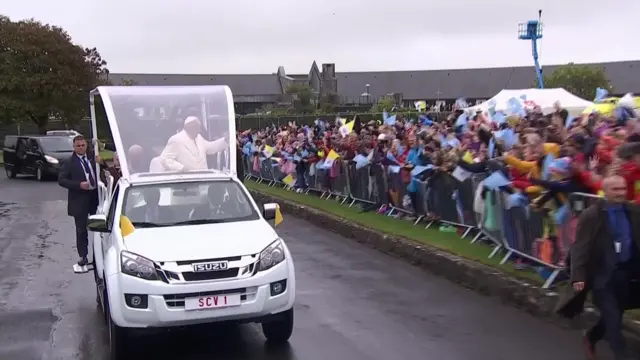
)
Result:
{"points": [[144, 224], [199, 222]]}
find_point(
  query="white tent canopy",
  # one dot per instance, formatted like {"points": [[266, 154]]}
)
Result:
{"points": [[545, 98]]}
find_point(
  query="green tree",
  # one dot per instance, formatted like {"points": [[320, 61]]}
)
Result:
{"points": [[385, 103], [328, 103], [128, 82], [580, 80], [302, 98], [44, 75]]}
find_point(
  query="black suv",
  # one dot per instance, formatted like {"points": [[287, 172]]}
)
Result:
{"points": [[41, 156]]}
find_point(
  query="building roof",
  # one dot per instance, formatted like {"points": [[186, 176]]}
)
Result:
{"points": [[244, 84], [472, 83], [414, 85]]}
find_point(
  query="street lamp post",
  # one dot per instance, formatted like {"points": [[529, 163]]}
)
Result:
{"points": [[532, 30], [366, 94]]}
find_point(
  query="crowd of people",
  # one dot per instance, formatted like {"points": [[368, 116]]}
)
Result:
{"points": [[542, 159], [542, 153]]}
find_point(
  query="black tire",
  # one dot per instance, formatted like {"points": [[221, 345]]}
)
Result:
{"points": [[117, 338], [11, 173], [97, 281], [279, 328], [40, 174], [103, 302]]}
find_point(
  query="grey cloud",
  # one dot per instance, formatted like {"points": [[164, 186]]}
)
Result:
{"points": [[247, 36]]}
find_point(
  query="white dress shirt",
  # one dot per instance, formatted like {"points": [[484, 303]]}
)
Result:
{"points": [[84, 161]]}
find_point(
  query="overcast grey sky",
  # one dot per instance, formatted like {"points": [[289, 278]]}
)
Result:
{"points": [[243, 36]]}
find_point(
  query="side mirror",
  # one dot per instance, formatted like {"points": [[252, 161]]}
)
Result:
{"points": [[98, 223], [269, 211]]}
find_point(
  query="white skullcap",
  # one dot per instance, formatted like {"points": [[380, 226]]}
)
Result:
{"points": [[191, 119], [135, 149]]}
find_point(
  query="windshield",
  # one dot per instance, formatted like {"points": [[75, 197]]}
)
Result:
{"points": [[187, 203], [56, 144], [173, 128]]}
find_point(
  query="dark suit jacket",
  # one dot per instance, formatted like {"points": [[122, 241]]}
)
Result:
{"points": [[79, 202], [593, 255]]}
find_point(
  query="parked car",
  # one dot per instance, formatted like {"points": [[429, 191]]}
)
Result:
{"points": [[40, 155], [70, 133]]}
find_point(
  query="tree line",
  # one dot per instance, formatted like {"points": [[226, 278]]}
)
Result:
{"points": [[44, 75]]}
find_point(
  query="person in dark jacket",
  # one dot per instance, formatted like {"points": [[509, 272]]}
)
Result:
{"points": [[377, 171], [605, 260], [112, 169], [239, 160], [79, 178]]}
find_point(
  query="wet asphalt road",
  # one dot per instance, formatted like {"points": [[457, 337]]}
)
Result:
{"points": [[353, 302]]}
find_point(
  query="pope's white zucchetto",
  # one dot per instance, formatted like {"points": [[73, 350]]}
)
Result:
{"points": [[191, 119]]}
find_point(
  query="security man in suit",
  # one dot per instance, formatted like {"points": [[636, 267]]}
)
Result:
{"points": [[605, 259], [78, 176]]}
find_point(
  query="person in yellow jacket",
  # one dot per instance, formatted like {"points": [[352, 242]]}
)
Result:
{"points": [[535, 155]]}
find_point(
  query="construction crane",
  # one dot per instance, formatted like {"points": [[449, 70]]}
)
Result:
{"points": [[532, 30]]}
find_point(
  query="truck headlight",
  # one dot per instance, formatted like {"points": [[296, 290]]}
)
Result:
{"points": [[51, 159], [271, 256], [138, 266]]}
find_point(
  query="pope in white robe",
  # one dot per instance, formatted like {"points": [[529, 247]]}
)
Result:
{"points": [[188, 150]]}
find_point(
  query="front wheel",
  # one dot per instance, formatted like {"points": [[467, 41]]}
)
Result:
{"points": [[279, 328], [97, 281], [11, 172], [117, 338], [40, 176]]}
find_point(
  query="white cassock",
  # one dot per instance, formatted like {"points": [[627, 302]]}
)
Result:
{"points": [[185, 154]]}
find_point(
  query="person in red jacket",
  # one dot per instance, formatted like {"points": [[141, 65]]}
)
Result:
{"points": [[520, 180], [628, 169]]}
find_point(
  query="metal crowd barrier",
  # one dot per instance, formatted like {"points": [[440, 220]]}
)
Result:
{"points": [[519, 231]]}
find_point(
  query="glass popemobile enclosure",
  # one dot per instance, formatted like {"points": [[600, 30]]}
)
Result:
{"points": [[178, 240]]}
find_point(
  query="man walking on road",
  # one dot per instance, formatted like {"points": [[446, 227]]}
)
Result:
{"points": [[605, 260], [78, 176]]}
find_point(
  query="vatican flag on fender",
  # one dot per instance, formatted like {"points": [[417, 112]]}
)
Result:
{"points": [[126, 227], [278, 218]]}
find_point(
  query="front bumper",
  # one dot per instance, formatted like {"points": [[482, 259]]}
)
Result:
{"points": [[166, 301], [52, 169]]}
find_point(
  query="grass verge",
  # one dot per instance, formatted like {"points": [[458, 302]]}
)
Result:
{"points": [[447, 241]]}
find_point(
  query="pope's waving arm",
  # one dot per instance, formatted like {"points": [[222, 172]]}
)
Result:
{"points": [[216, 146]]}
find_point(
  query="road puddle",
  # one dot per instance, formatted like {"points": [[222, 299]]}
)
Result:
{"points": [[5, 208]]}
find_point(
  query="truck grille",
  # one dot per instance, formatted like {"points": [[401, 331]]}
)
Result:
{"points": [[210, 275]]}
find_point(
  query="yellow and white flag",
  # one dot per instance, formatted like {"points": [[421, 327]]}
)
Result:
{"points": [[289, 180], [331, 158], [268, 151], [347, 128]]}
